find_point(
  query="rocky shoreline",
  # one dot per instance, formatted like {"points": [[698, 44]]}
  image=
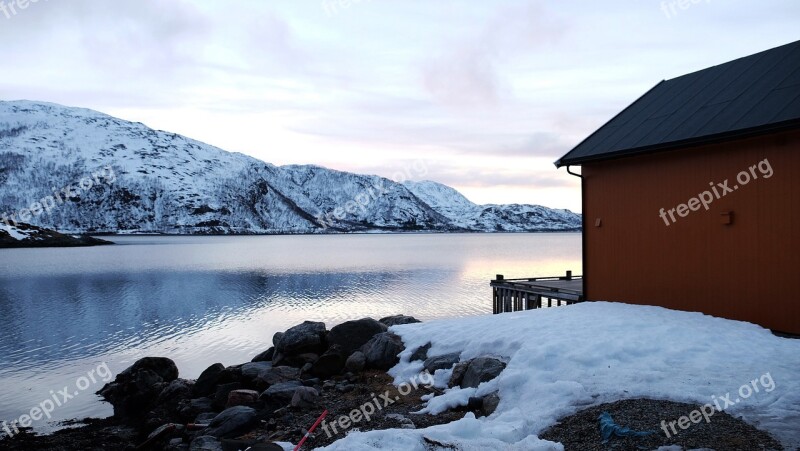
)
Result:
{"points": [[275, 397], [25, 236], [270, 402]]}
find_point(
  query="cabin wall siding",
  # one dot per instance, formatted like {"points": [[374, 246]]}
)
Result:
{"points": [[746, 271]]}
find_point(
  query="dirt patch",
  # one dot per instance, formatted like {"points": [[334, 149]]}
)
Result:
{"points": [[371, 387], [581, 431]]}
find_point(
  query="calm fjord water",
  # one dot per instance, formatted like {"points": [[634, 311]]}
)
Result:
{"points": [[201, 300]]}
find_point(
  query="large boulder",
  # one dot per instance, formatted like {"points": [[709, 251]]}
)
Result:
{"points": [[176, 391], [441, 362], [330, 363], [251, 370], [207, 382], [397, 320], [232, 422], [482, 369], [381, 351], [356, 362], [308, 337], [351, 335], [265, 356], [135, 391]]}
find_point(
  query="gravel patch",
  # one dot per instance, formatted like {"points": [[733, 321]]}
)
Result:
{"points": [[581, 431]]}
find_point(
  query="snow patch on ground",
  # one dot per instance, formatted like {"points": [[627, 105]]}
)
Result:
{"points": [[15, 232], [565, 359]]}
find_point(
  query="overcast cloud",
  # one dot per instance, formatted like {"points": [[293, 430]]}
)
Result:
{"points": [[488, 94]]}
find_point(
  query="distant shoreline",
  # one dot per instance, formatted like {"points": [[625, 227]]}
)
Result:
{"points": [[427, 232]]}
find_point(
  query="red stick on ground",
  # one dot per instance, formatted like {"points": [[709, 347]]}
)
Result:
{"points": [[316, 423]]}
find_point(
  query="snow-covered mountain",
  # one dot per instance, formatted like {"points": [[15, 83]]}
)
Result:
{"points": [[491, 218], [78, 170]]}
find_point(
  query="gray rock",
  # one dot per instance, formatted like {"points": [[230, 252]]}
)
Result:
{"points": [[351, 335], [177, 444], [381, 351], [222, 394], [161, 366], [206, 383], [482, 369], [356, 362], [405, 422], [490, 403], [205, 418], [344, 388], [194, 407], [281, 393], [330, 363], [308, 337], [265, 356], [174, 428], [276, 375], [441, 362], [135, 391], [421, 353], [176, 390], [308, 357], [205, 443], [276, 338], [397, 320], [230, 374], [251, 370], [458, 374], [474, 403], [242, 397], [304, 397], [231, 422]]}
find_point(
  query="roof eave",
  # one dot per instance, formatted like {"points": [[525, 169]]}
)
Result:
{"points": [[695, 142]]}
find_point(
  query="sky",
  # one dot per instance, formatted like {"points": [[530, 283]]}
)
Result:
{"points": [[480, 95]]}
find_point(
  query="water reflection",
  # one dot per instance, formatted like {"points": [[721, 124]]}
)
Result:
{"points": [[200, 300]]}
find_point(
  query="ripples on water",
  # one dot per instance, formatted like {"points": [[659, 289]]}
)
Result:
{"points": [[201, 300]]}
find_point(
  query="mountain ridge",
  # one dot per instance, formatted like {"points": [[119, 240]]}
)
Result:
{"points": [[167, 183]]}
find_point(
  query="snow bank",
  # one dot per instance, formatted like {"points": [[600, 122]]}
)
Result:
{"points": [[562, 360]]}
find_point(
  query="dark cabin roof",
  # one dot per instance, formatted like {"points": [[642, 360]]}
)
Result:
{"points": [[748, 96]]}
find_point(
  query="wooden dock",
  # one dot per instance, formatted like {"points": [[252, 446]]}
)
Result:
{"points": [[511, 295]]}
